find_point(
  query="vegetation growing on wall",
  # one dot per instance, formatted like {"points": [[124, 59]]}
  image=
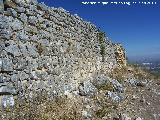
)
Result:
{"points": [[40, 48], [101, 36]]}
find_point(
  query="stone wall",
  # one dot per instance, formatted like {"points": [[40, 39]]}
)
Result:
{"points": [[46, 48], [120, 55]]}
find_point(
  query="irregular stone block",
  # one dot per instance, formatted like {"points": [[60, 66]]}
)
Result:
{"points": [[31, 1], [20, 63], [14, 77], [135, 82], [21, 35], [32, 51], [87, 89], [86, 115], [138, 118], [32, 20], [33, 75], [4, 22], [7, 89], [1, 78], [6, 65], [117, 97], [54, 60], [41, 85], [31, 29], [7, 101], [23, 76], [118, 87], [1, 64], [34, 38], [41, 74], [23, 49], [20, 9], [125, 117], [1, 6], [13, 50], [16, 25], [42, 6], [5, 34], [67, 88], [23, 18], [4, 78], [12, 12]]}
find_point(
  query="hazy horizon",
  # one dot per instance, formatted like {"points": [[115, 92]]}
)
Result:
{"points": [[151, 58]]}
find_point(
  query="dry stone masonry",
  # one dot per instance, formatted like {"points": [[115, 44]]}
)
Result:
{"points": [[120, 54], [47, 49]]}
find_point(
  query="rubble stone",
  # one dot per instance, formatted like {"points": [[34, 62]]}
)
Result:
{"points": [[41, 44]]}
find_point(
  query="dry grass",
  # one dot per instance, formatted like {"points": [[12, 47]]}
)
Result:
{"points": [[107, 86], [40, 48], [61, 109], [106, 106], [58, 109], [141, 73], [119, 73]]}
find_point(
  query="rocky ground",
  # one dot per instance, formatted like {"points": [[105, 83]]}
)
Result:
{"points": [[103, 99], [140, 100]]}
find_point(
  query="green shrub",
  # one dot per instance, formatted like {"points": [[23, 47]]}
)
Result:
{"points": [[101, 36]]}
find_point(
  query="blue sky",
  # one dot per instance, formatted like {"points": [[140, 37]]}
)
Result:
{"points": [[137, 27]]}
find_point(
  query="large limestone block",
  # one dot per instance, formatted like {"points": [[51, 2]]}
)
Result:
{"points": [[6, 65], [1, 6], [7, 101], [7, 89]]}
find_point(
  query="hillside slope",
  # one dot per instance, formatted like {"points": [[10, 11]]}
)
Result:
{"points": [[56, 66]]}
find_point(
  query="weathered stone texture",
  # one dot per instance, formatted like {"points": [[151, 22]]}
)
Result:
{"points": [[48, 48], [120, 54]]}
